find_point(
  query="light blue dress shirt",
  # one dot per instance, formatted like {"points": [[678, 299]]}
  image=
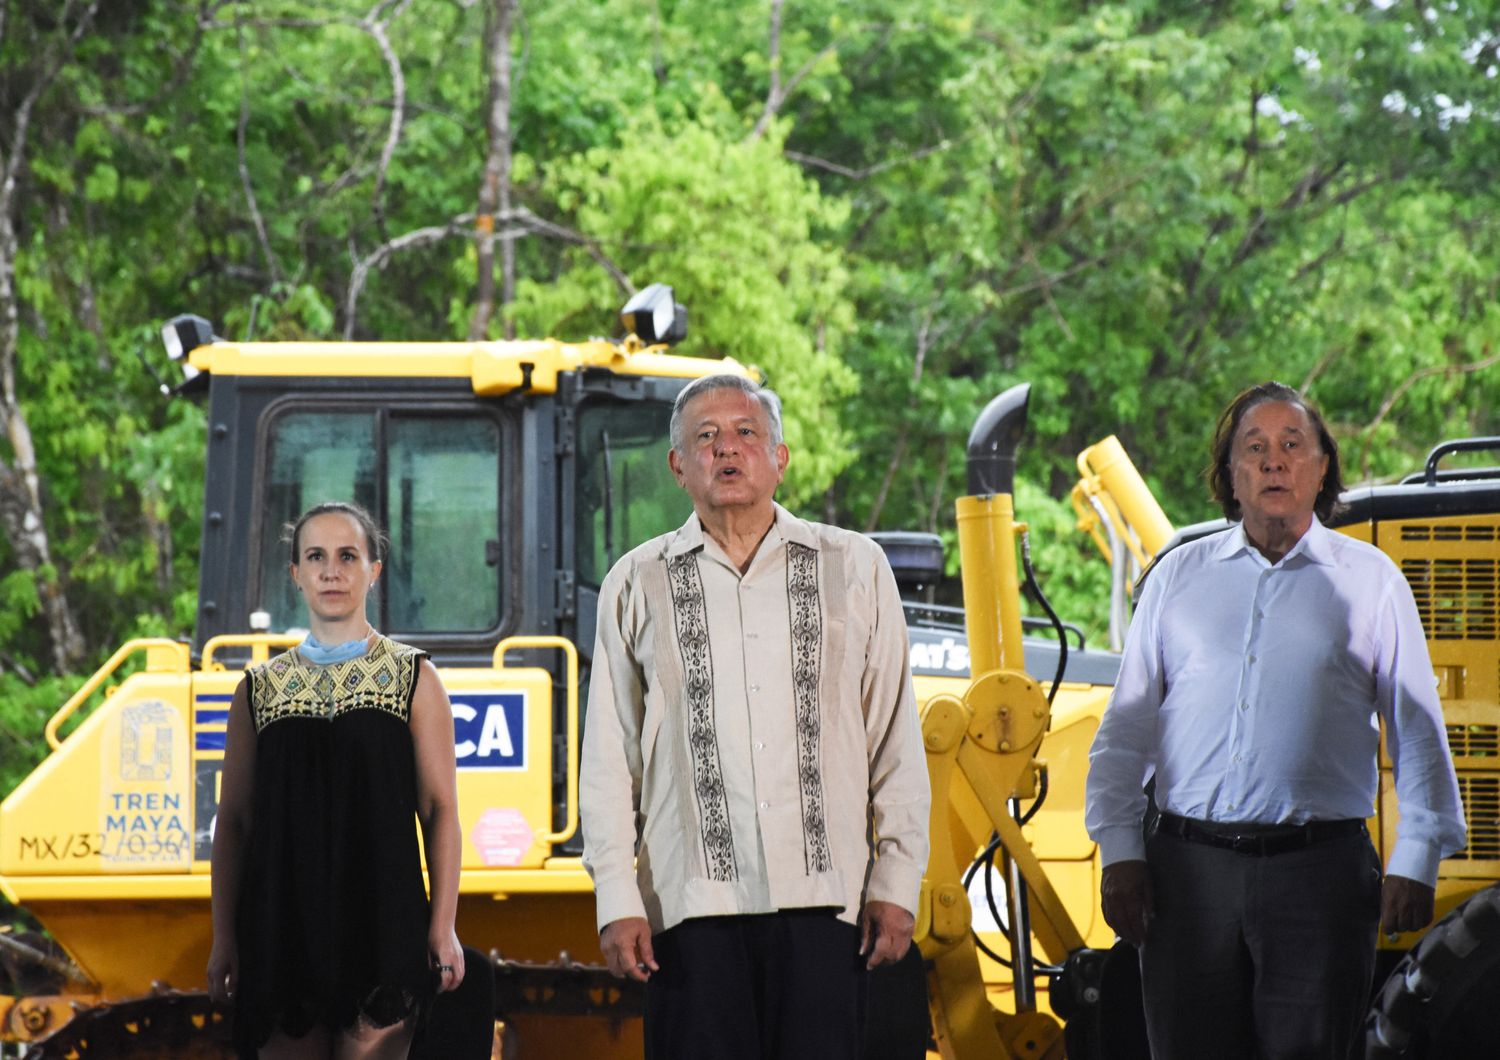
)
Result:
{"points": [[1252, 691]]}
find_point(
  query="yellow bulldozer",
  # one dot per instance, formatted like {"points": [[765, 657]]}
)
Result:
{"points": [[510, 475]]}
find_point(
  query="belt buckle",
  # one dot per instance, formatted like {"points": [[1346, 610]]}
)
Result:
{"points": [[1242, 843]]}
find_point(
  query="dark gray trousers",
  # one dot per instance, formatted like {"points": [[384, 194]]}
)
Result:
{"points": [[780, 986], [1259, 957]]}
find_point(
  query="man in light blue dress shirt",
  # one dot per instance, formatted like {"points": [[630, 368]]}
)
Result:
{"points": [[1258, 668]]}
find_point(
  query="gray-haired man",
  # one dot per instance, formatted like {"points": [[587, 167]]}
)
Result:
{"points": [[754, 791]]}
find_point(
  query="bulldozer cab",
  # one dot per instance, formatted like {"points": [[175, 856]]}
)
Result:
{"points": [[505, 509], [509, 476]]}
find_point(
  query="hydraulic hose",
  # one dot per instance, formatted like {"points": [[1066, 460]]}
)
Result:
{"points": [[986, 858], [1041, 597]]}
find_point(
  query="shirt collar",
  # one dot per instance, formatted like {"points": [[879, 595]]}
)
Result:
{"points": [[689, 536], [1315, 546]]}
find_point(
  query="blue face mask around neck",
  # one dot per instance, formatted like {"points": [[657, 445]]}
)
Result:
{"points": [[315, 651]]}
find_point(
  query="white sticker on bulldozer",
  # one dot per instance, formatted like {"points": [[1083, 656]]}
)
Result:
{"points": [[144, 804]]}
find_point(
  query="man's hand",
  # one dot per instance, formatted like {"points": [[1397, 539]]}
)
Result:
{"points": [[627, 948], [884, 932], [1125, 889], [1405, 905]]}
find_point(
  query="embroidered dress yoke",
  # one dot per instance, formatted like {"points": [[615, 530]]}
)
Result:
{"points": [[332, 918], [752, 741]]}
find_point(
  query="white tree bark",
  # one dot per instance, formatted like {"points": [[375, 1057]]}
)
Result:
{"points": [[21, 514]]}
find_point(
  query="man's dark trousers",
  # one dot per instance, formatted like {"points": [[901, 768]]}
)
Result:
{"points": [[1259, 955], [788, 985]]}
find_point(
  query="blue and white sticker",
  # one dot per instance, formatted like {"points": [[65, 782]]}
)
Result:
{"points": [[489, 729]]}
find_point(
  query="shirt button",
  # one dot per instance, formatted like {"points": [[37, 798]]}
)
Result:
{"points": [[765, 806], [1237, 758], [755, 688], [1244, 706], [1250, 659], [759, 746]]}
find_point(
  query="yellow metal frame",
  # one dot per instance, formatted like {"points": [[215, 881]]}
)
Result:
{"points": [[494, 368], [981, 749], [567, 647], [260, 645], [1109, 478], [162, 656]]}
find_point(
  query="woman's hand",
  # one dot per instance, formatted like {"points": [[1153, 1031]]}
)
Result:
{"points": [[223, 971], [447, 958]]}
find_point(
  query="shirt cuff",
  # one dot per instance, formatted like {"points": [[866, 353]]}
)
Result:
{"points": [[616, 900], [1120, 843], [896, 881], [1416, 860]]}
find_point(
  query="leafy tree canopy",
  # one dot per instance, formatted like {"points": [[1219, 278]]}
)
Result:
{"points": [[894, 209]]}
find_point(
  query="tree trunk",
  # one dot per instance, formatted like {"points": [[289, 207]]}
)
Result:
{"points": [[20, 484], [494, 186]]}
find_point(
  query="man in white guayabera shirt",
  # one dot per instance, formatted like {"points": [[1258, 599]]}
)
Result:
{"points": [[754, 790], [1256, 671]]}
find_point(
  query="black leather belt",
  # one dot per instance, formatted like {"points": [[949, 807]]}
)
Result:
{"points": [[1259, 840]]}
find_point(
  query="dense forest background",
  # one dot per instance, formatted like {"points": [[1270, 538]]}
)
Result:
{"points": [[895, 207]]}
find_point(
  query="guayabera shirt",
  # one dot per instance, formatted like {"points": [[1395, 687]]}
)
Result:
{"points": [[752, 741]]}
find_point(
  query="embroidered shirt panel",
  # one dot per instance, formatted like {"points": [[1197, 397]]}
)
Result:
{"points": [[785, 686], [691, 620], [288, 686], [807, 654]]}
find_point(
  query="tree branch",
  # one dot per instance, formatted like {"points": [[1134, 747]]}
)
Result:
{"points": [[375, 26], [419, 237], [462, 225], [813, 162], [21, 510], [494, 184], [182, 66], [1410, 381], [773, 55], [244, 166], [778, 94]]}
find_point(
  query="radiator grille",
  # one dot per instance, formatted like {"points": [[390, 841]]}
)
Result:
{"points": [[1474, 741], [1472, 532], [1458, 599], [1481, 796]]}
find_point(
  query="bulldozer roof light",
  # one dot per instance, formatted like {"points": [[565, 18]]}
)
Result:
{"points": [[183, 334], [654, 316]]}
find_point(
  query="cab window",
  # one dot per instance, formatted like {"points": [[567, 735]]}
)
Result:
{"points": [[433, 482], [626, 492]]}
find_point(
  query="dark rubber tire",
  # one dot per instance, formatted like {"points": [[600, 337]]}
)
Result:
{"points": [[1440, 1002]]}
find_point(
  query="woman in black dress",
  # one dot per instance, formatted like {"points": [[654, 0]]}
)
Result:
{"points": [[325, 940]]}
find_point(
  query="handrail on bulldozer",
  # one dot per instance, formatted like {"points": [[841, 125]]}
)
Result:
{"points": [[566, 646], [1110, 487], [260, 645], [162, 656]]}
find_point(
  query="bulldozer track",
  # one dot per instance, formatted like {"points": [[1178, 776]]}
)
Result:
{"points": [[182, 1024], [186, 1025], [1439, 1002]]}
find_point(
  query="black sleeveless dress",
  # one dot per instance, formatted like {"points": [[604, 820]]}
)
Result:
{"points": [[333, 914]]}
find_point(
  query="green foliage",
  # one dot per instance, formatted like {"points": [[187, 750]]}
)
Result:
{"points": [[735, 227], [24, 710], [1137, 207], [1068, 568]]}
